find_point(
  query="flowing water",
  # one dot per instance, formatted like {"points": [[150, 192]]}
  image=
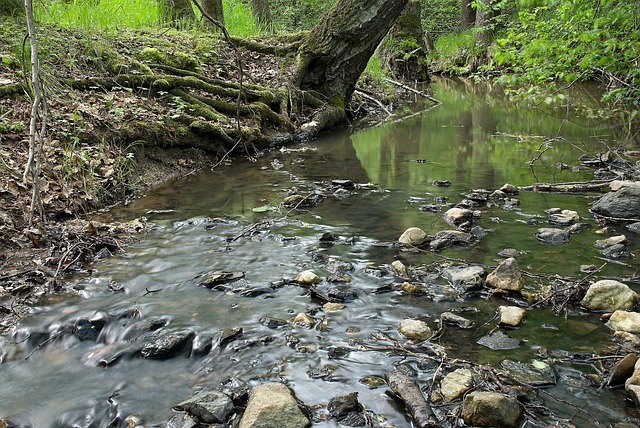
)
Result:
{"points": [[207, 222]]}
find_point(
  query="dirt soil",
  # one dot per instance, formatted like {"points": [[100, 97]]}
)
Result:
{"points": [[103, 144]]}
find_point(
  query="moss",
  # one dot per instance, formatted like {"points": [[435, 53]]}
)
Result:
{"points": [[171, 58]]}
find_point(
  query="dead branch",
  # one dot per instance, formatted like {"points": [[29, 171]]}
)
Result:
{"points": [[419, 408]]}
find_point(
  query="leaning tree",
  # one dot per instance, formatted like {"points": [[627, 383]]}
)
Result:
{"points": [[336, 51]]}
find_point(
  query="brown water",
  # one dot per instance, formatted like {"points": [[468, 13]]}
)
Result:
{"points": [[474, 140]]}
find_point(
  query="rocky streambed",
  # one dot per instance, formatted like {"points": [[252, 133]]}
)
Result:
{"points": [[311, 288]]}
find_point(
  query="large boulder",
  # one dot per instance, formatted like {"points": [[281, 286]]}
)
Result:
{"points": [[506, 276], [609, 295], [491, 409], [273, 405], [625, 321], [621, 204]]}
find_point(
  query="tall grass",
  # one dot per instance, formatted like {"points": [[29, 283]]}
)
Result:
{"points": [[131, 14]]}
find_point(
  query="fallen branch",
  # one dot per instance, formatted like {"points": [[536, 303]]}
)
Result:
{"points": [[415, 91], [576, 186], [409, 392]]}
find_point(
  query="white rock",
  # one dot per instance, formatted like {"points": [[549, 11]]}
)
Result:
{"points": [[625, 321], [456, 383], [506, 276], [510, 316], [306, 277], [609, 295], [414, 329], [413, 237]]}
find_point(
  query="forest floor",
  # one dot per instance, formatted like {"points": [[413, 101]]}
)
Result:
{"points": [[117, 124]]}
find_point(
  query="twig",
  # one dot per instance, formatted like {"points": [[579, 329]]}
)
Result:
{"points": [[415, 91], [372, 99]]}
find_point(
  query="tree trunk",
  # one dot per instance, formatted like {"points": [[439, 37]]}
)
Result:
{"points": [[407, 45], [261, 13], [468, 15], [215, 10], [483, 35], [174, 12], [337, 49]]}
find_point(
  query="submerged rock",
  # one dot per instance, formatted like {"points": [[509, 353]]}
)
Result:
{"points": [[491, 409], [456, 383], [273, 405], [506, 276], [609, 295], [616, 252], [447, 238], [499, 340], [453, 319], [208, 407], [347, 410], [413, 237], [414, 329], [612, 240], [552, 235], [537, 373]]}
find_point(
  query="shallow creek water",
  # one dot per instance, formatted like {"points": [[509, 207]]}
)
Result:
{"points": [[473, 140]]}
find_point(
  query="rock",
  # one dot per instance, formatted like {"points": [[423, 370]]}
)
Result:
{"points": [[447, 238], [563, 218], [578, 227], [491, 409], [333, 306], [552, 236], [510, 252], [506, 276], [221, 277], [167, 345], [304, 320], [612, 240], [538, 373], [510, 316], [499, 340], [626, 339], [625, 321], [623, 370], [634, 379], [456, 216], [414, 329], [622, 204], [616, 252], [342, 406], [208, 407], [456, 383], [634, 227], [413, 237], [273, 323], [609, 295], [86, 329], [306, 277], [372, 381], [634, 392], [411, 288], [346, 183], [464, 279], [509, 189], [453, 319], [400, 269], [273, 405], [341, 294], [616, 185]]}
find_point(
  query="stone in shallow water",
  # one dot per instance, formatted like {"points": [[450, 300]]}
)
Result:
{"points": [[552, 235], [491, 409], [506, 276], [499, 340], [208, 407], [510, 316], [464, 279], [273, 405], [456, 383], [167, 345], [625, 321], [413, 237], [609, 295], [538, 373], [306, 277], [414, 329]]}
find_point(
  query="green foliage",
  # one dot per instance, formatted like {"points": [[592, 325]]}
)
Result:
{"points": [[291, 16], [453, 52], [562, 40], [440, 17], [239, 20], [89, 14]]}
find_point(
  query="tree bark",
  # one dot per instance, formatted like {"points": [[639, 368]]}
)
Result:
{"points": [[468, 15], [336, 51], [484, 30], [215, 10], [175, 11], [261, 13]]}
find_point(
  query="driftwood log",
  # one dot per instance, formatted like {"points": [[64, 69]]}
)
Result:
{"points": [[409, 392]]}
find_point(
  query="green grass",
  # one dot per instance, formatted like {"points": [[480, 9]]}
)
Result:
{"points": [[449, 45], [132, 14]]}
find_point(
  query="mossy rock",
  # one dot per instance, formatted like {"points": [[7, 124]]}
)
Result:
{"points": [[174, 59]]}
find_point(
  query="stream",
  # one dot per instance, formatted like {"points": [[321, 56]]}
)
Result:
{"points": [[405, 173]]}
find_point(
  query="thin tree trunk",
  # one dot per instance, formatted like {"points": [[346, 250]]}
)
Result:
{"points": [[174, 12], [483, 35], [337, 49], [215, 10], [468, 15], [261, 13]]}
